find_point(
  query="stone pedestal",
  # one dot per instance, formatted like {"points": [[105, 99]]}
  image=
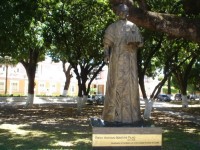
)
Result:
{"points": [[125, 137]]}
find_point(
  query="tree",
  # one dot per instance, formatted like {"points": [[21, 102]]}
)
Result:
{"points": [[154, 56], [68, 77], [22, 37], [180, 25], [182, 73], [31, 50], [194, 78], [74, 34], [147, 61], [15, 18]]}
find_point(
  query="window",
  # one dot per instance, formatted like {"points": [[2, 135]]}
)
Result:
{"points": [[42, 87], [4, 68], [2, 86], [17, 70], [14, 86], [72, 89], [53, 87]]}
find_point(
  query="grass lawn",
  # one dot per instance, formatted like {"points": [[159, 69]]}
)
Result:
{"points": [[62, 127]]}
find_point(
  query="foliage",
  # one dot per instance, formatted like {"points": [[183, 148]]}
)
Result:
{"points": [[21, 28], [6, 60], [183, 62], [161, 52], [15, 17], [74, 31], [173, 90], [166, 6], [147, 60], [21, 35], [194, 78]]}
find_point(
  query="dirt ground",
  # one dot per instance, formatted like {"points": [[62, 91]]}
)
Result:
{"points": [[63, 127]]}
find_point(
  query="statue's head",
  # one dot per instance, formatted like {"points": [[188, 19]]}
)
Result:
{"points": [[123, 11]]}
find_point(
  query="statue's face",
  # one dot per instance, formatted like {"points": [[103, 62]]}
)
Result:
{"points": [[123, 11], [123, 14]]}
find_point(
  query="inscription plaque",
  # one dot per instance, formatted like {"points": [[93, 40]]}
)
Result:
{"points": [[127, 138]]}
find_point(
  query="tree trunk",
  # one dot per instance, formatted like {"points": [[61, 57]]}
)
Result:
{"points": [[148, 108], [68, 77], [142, 87], [148, 102], [80, 90], [6, 82], [184, 101], [182, 77], [31, 84], [30, 67], [79, 104], [82, 78], [142, 69], [183, 88], [169, 85]]}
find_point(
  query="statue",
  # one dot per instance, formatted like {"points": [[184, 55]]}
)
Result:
{"points": [[121, 41]]}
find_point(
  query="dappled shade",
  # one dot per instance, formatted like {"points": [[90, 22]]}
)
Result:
{"points": [[62, 127]]}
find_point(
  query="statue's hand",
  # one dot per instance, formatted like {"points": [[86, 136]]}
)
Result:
{"points": [[106, 59], [133, 43], [136, 44], [106, 55]]}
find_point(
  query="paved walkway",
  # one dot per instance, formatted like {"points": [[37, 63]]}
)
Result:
{"points": [[182, 115], [161, 106], [18, 101]]}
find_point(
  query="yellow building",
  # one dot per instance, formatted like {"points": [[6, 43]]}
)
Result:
{"points": [[49, 80]]}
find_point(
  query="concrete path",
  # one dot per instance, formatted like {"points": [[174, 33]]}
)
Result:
{"points": [[167, 109], [185, 116], [161, 106], [181, 115]]}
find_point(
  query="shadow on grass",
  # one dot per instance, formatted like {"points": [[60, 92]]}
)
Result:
{"points": [[45, 128], [178, 134], [62, 127], [53, 140], [181, 140]]}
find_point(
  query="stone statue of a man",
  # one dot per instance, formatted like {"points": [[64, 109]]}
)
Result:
{"points": [[121, 41]]}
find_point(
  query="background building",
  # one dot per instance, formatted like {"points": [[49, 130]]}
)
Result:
{"points": [[49, 80]]}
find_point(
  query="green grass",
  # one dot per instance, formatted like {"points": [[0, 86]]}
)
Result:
{"points": [[178, 134], [49, 140], [47, 128], [180, 139], [62, 127]]}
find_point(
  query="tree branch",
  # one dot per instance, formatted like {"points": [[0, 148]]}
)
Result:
{"points": [[175, 26]]}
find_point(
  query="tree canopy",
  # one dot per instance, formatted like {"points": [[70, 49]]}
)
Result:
{"points": [[183, 22], [74, 32]]}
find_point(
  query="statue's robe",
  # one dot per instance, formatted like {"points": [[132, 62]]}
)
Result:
{"points": [[122, 94]]}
